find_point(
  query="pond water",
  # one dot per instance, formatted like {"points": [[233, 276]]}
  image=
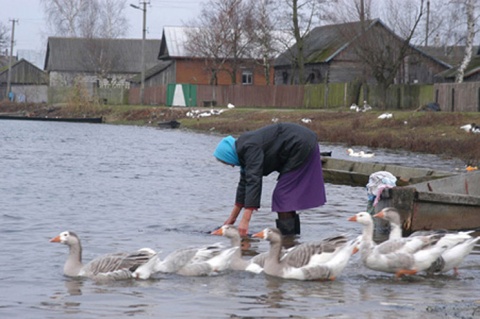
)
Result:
{"points": [[121, 188]]}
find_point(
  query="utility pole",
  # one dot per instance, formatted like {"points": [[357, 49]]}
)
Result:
{"points": [[144, 31], [427, 24], [9, 77]]}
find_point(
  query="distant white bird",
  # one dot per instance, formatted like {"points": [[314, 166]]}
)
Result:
{"points": [[354, 107], [363, 154], [471, 128], [275, 119], [306, 120], [366, 154], [230, 106], [467, 127], [366, 107], [385, 116], [352, 153], [216, 112]]}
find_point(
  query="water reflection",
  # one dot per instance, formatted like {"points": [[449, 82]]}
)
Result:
{"points": [[74, 286]]}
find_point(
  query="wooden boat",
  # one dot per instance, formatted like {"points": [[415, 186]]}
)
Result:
{"points": [[354, 173], [451, 203], [54, 119], [169, 124]]}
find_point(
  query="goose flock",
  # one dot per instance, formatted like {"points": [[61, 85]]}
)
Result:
{"points": [[427, 252]]}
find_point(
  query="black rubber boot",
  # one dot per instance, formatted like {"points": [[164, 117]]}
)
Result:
{"points": [[289, 226]]}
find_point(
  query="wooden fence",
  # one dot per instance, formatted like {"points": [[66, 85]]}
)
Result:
{"points": [[463, 97], [458, 97], [318, 96]]}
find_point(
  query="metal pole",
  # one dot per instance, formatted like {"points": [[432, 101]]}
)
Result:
{"points": [[427, 24], [9, 78], [144, 31]]}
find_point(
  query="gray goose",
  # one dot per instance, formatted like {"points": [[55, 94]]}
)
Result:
{"points": [[404, 256], [460, 244], [255, 264], [320, 260], [114, 266], [200, 261]]}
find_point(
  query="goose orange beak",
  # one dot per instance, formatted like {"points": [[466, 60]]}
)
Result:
{"points": [[218, 232], [258, 235], [55, 239], [379, 215], [352, 219]]}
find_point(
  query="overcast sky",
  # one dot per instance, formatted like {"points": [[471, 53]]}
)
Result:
{"points": [[31, 30]]}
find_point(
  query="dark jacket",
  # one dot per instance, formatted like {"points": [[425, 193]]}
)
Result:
{"points": [[280, 147]]}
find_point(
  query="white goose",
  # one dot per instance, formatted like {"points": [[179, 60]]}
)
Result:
{"points": [[471, 128], [402, 256], [323, 260], [363, 154], [255, 264], [460, 244], [203, 261], [115, 266]]}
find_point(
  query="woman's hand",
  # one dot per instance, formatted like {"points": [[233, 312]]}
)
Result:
{"points": [[230, 221], [243, 225], [233, 215]]}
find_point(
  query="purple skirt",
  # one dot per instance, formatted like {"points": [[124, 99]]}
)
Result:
{"points": [[302, 188]]}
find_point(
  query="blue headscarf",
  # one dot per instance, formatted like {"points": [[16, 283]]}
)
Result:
{"points": [[226, 151]]}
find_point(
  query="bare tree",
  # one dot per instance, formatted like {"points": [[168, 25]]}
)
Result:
{"points": [[350, 10], [86, 18], [114, 23], [4, 37], [299, 16], [470, 12], [100, 57], [265, 37], [223, 33], [385, 54]]}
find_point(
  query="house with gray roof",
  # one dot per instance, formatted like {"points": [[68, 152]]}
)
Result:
{"points": [[27, 82], [179, 65], [332, 54], [103, 63], [453, 55]]}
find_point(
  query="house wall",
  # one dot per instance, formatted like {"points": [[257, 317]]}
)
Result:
{"points": [[347, 66], [344, 71], [473, 78], [68, 79], [196, 71], [30, 93], [164, 77], [421, 69], [25, 73]]}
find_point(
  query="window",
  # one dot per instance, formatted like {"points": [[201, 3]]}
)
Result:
{"points": [[247, 77], [285, 77]]}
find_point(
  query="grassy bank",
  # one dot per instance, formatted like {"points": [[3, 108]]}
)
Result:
{"points": [[428, 132]]}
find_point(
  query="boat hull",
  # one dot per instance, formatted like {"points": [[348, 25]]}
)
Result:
{"points": [[169, 124], [54, 119], [353, 173], [451, 203]]}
